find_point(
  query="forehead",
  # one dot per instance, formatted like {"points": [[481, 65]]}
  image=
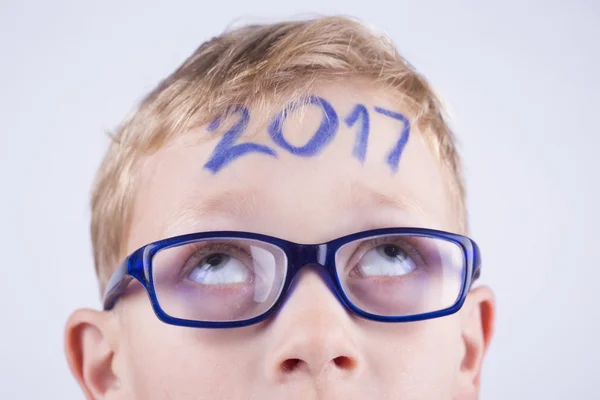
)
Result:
{"points": [[347, 160]]}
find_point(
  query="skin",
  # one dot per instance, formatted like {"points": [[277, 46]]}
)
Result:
{"points": [[312, 348]]}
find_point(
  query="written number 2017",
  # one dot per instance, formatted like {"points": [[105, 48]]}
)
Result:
{"points": [[227, 149]]}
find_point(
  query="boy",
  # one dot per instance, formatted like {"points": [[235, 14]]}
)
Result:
{"points": [[290, 210]]}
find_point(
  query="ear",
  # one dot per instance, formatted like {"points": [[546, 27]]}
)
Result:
{"points": [[477, 320], [89, 352]]}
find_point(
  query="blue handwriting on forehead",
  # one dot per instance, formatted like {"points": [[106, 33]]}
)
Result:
{"points": [[362, 136], [227, 150], [321, 138], [393, 158]]}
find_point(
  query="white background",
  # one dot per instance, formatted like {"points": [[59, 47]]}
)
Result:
{"points": [[523, 80]]}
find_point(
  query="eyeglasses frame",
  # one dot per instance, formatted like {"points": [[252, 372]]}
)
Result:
{"points": [[138, 265]]}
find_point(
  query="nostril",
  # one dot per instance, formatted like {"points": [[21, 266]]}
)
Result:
{"points": [[344, 362], [290, 364]]}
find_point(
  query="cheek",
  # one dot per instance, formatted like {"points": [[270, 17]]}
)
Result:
{"points": [[423, 357], [178, 362]]}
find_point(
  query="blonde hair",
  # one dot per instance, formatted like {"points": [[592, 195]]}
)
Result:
{"points": [[249, 66]]}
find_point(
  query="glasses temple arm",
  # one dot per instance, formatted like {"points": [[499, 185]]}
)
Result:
{"points": [[116, 285], [476, 263]]}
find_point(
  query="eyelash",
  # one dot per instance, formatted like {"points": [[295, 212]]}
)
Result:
{"points": [[410, 250], [200, 250]]}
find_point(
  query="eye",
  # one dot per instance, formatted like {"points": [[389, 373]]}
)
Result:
{"points": [[385, 260], [219, 269]]}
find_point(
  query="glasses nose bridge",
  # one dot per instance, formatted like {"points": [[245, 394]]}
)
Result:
{"points": [[313, 255], [309, 254]]}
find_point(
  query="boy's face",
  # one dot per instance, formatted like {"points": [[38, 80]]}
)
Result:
{"points": [[313, 347]]}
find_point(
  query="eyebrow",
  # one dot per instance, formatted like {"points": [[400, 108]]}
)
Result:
{"points": [[245, 202], [359, 194], [231, 202]]}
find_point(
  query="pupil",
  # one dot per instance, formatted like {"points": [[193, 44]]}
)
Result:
{"points": [[214, 259], [391, 251]]}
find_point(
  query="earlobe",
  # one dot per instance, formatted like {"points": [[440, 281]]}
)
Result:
{"points": [[89, 352], [477, 321]]}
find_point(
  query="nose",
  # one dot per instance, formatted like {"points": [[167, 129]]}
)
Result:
{"points": [[312, 334]]}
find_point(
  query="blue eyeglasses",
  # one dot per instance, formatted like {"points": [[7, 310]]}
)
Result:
{"points": [[231, 279]]}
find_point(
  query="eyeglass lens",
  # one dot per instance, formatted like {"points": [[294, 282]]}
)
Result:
{"points": [[234, 279]]}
